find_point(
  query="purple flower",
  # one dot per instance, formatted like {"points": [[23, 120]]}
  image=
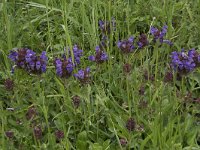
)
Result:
{"points": [[91, 58], [99, 57], [13, 56], [43, 56], [37, 132], [58, 64], [31, 65], [130, 124], [9, 134], [102, 25], [77, 53], [31, 113], [64, 67], [155, 32], [27, 59], [43, 68], [159, 35], [126, 46], [127, 68], [80, 75], [59, 134], [42, 62], [184, 62], [168, 76], [30, 56], [9, 84], [143, 41], [83, 75]]}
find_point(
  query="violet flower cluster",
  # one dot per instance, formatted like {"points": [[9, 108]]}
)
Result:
{"points": [[65, 66], [160, 34], [142, 41], [77, 54], [27, 59], [126, 46], [83, 75], [99, 57], [185, 62]]}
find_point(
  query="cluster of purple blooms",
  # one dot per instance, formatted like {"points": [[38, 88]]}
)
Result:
{"points": [[160, 34], [27, 59], [65, 66], [126, 46], [77, 54], [143, 41], [99, 57], [83, 75], [184, 62]]}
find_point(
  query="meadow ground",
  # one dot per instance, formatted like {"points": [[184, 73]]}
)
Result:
{"points": [[100, 74]]}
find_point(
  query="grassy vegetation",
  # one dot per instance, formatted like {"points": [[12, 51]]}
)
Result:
{"points": [[135, 108]]}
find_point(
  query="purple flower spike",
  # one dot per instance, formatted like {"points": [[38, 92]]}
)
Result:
{"points": [[143, 41], [32, 65], [13, 56], [91, 58], [101, 24], [30, 56], [64, 67], [38, 65], [80, 74], [119, 44], [131, 39], [87, 69], [164, 30], [185, 62], [77, 54], [58, 64], [43, 56], [99, 57], [43, 68], [27, 59], [83, 75], [159, 35], [130, 124], [155, 32], [126, 46]]}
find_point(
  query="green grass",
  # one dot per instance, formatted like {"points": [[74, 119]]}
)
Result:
{"points": [[170, 121]]}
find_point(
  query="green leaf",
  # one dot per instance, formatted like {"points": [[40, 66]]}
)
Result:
{"points": [[81, 143], [96, 146]]}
